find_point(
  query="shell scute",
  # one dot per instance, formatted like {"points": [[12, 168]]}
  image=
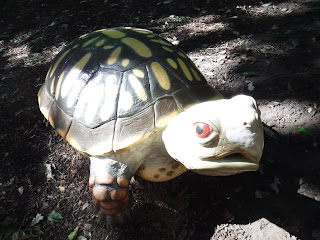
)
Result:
{"points": [[100, 138], [131, 130], [59, 120], [134, 93], [165, 109]]}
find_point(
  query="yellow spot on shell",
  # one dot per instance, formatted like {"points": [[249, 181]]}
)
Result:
{"points": [[59, 86], [195, 74], [182, 55], [138, 73], [125, 101], [93, 102], [110, 86], [125, 62], [100, 30], [114, 56], [185, 69], [108, 47], [151, 36], [172, 63], [139, 47], [161, 42], [141, 30], [52, 86], [137, 87], [89, 41], [100, 43], [161, 75], [167, 49], [49, 72], [72, 76], [58, 62], [114, 33], [84, 35], [75, 46]]}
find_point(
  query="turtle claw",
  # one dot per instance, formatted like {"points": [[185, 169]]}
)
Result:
{"points": [[120, 218]]}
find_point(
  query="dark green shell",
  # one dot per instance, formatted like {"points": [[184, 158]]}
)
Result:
{"points": [[108, 89]]}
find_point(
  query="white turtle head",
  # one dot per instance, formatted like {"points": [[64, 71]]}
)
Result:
{"points": [[217, 138]]}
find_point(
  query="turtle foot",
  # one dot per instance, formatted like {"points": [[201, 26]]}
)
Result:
{"points": [[109, 187], [111, 201]]}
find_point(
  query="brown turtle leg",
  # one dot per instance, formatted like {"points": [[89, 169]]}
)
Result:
{"points": [[109, 185]]}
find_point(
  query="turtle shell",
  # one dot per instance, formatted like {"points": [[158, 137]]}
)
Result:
{"points": [[109, 89]]}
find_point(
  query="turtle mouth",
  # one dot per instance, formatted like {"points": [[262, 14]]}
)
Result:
{"points": [[227, 165]]}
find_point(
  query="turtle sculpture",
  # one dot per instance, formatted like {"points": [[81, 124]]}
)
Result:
{"points": [[134, 103]]}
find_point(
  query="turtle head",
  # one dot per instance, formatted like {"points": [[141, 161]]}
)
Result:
{"points": [[218, 138]]}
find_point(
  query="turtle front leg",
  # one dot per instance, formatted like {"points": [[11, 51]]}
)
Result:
{"points": [[109, 185]]}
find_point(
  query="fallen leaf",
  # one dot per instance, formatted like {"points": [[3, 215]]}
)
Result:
{"points": [[250, 86], [82, 238], [36, 219], [60, 202], [55, 217], [305, 130], [61, 189], [8, 226], [48, 171], [20, 234], [52, 24], [288, 32], [72, 235], [20, 190], [236, 33]]}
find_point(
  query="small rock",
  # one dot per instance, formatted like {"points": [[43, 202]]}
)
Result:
{"points": [[261, 229]]}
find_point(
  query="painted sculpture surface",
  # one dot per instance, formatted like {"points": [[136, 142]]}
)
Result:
{"points": [[134, 103]]}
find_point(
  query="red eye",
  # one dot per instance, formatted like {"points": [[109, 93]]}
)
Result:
{"points": [[202, 130]]}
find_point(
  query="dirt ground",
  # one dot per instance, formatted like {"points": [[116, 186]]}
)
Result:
{"points": [[269, 50]]}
